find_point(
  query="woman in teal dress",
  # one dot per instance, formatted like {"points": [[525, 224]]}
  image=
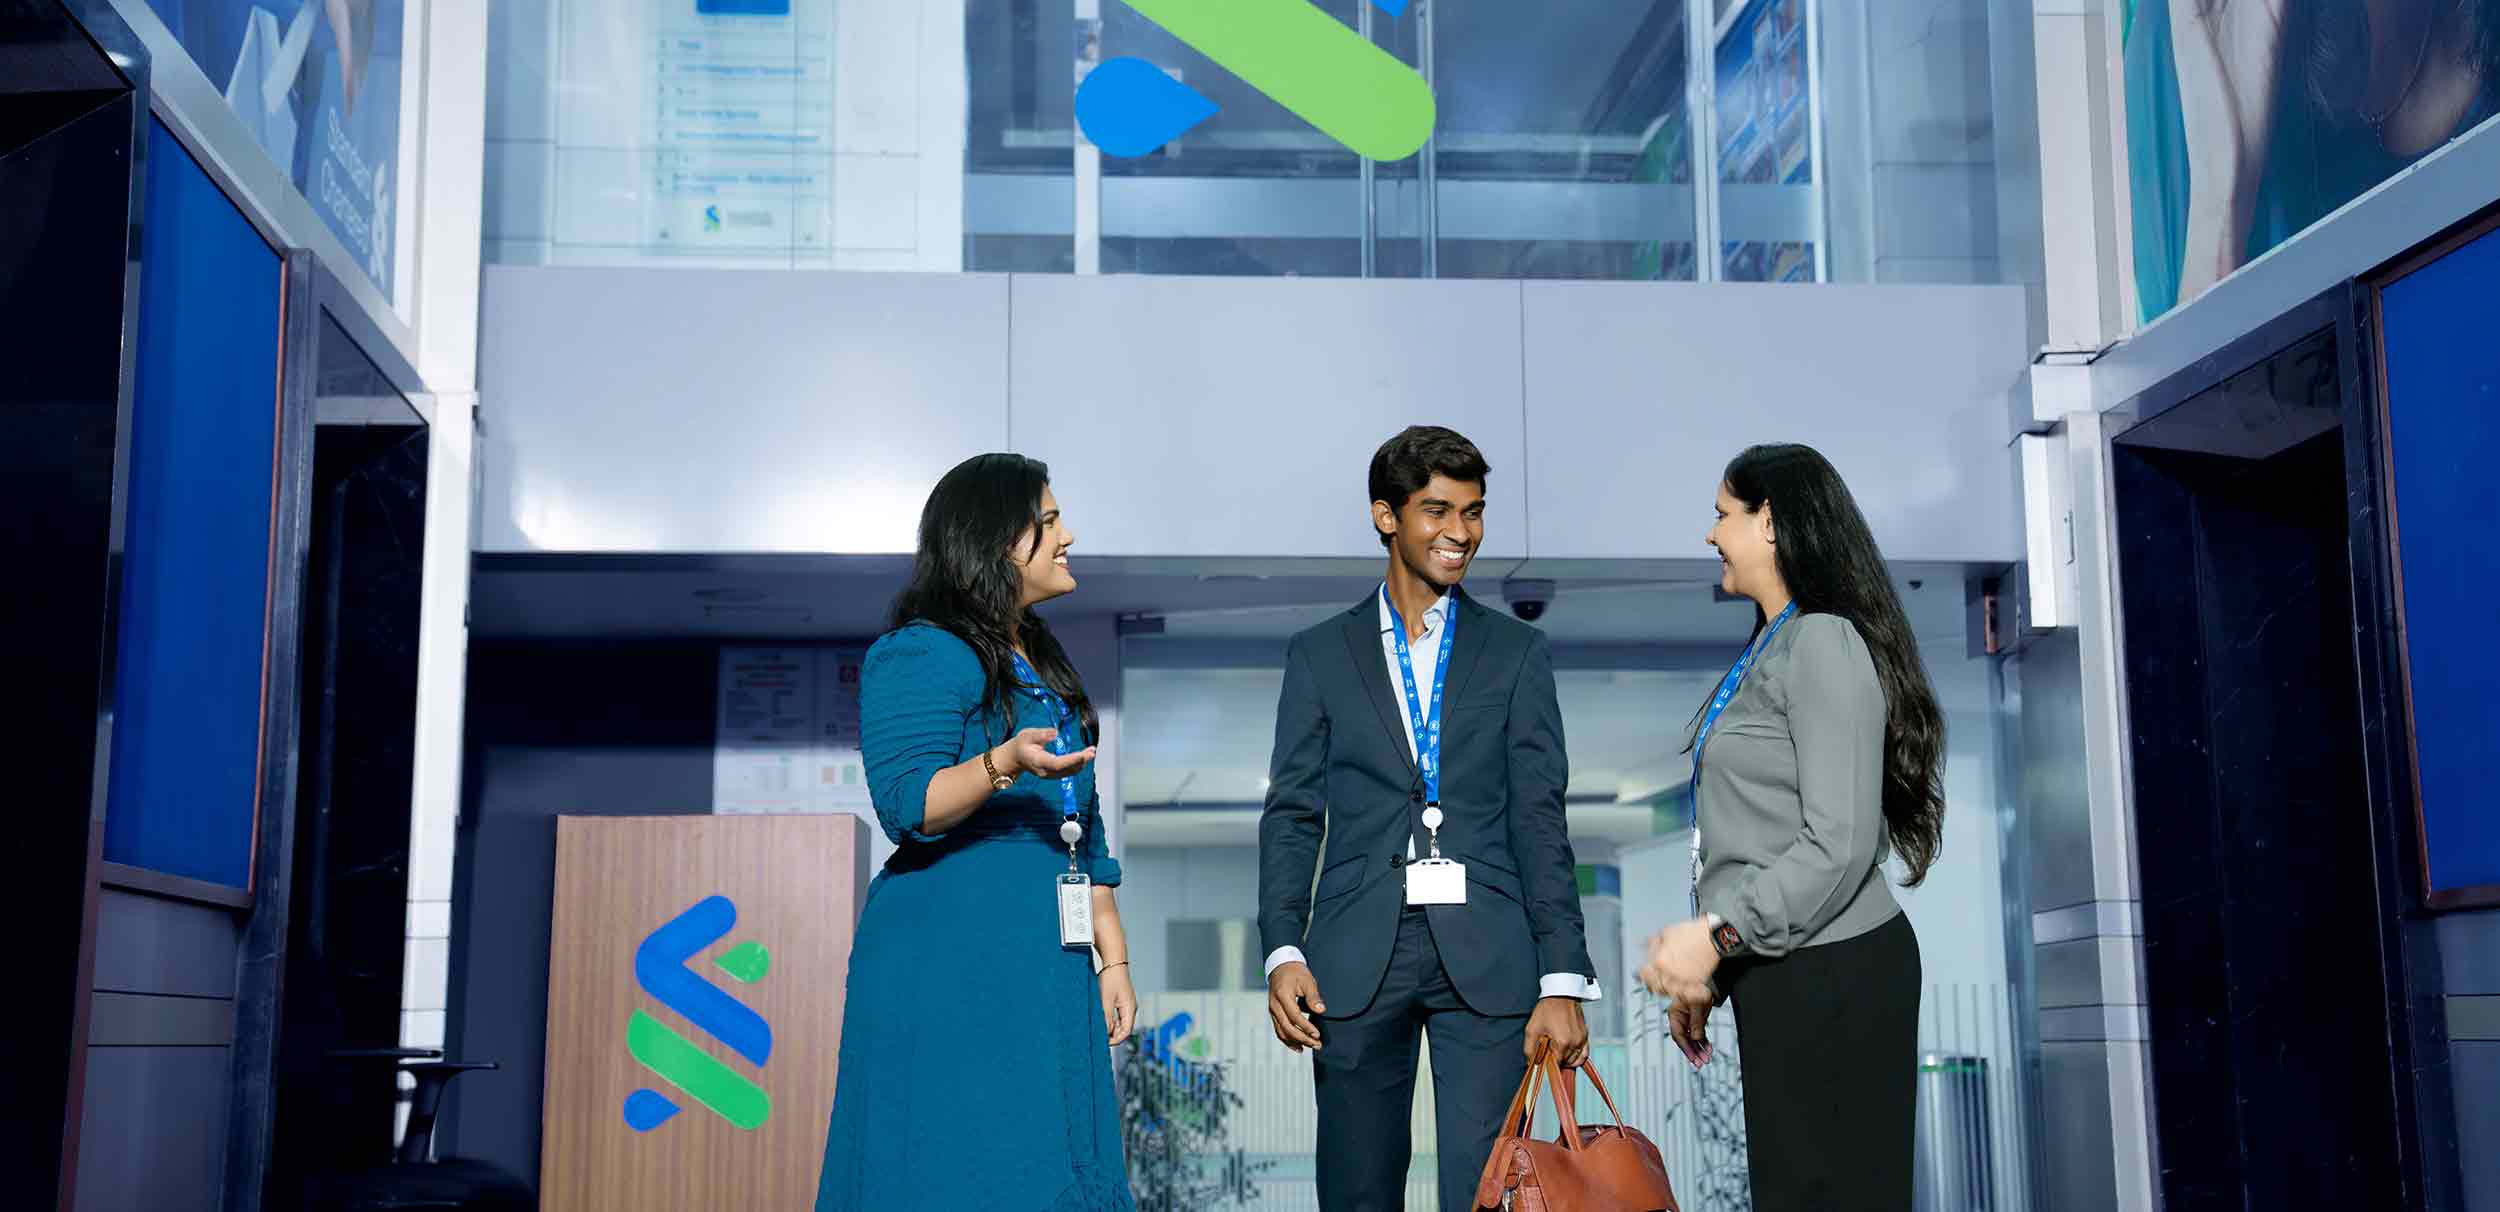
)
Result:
{"points": [[976, 1047]]}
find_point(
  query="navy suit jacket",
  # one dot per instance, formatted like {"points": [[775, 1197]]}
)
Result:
{"points": [[1341, 758]]}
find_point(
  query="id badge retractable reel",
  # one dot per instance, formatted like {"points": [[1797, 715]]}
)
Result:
{"points": [[1076, 888], [1076, 895], [1435, 880]]}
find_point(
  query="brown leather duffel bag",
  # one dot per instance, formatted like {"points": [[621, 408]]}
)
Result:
{"points": [[1607, 1168]]}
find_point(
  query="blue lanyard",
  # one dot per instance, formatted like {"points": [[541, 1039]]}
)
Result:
{"points": [[1728, 687], [1427, 727], [1061, 717], [1736, 678]]}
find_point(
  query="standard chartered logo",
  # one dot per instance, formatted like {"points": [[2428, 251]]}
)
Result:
{"points": [[661, 969], [1293, 51]]}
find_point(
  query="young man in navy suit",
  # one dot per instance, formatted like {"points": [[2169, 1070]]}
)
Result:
{"points": [[1418, 735]]}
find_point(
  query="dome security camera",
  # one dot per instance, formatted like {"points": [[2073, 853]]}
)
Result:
{"points": [[1528, 598]]}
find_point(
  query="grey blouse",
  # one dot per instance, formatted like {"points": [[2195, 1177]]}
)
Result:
{"points": [[1791, 794]]}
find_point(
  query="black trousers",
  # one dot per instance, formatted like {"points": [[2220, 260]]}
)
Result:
{"points": [[1365, 1073], [1828, 1036]]}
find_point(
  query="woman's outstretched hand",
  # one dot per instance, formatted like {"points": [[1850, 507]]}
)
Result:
{"points": [[1029, 752]]}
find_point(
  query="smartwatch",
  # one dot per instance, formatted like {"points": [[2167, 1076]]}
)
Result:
{"points": [[1724, 939]]}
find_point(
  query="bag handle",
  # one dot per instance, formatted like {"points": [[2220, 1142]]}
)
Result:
{"points": [[1547, 1068], [1517, 1120], [1514, 1125], [1590, 1071], [1520, 1119]]}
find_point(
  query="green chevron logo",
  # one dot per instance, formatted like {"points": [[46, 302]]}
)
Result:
{"points": [[1306, 60]]}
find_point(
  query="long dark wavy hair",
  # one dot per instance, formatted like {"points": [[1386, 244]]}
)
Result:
{"points": [[1830, 562], [982, 517]]}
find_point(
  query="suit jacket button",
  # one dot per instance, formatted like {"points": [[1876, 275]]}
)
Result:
{"points": [[1397, 860], [1416, 796]]}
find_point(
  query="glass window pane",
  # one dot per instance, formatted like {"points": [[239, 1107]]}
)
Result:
{"points": [[1929, 165], [1019, 144], [1564, 148], [1770, 207], [1850, 143], [1253, 189]]}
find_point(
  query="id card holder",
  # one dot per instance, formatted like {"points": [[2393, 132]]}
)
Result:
{"points": [[1076, 910], [1436, 881]]}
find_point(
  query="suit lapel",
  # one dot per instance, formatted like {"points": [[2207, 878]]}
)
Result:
{"points": [[1465, 647], [1362, 641]]}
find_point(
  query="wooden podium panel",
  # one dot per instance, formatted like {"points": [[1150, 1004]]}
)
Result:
{"points": [[694, 1009]]}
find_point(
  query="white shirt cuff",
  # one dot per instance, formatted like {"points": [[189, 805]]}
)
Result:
{"points": [[1283, 956]]}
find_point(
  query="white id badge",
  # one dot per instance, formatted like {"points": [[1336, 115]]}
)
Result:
{"points": [[1076, 910], [1435, 881]]}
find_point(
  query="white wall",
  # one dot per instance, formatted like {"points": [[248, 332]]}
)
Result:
{"points": [[663, 410], [1244, 380], [1635, 390], [567, 143], [717, 411], [442, 673]]}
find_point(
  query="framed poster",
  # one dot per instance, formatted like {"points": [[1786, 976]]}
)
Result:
{"points": [[317, 83], [2214, 180]]}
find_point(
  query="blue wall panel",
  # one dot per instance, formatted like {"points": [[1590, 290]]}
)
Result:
{"points": [[2443, 437], [195, 577]]}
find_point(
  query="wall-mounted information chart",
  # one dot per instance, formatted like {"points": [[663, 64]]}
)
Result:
{"points": [[764, 744], [740, 127], [787, 736]]}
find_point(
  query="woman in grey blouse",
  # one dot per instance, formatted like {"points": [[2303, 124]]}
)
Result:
{"points": [[1817, 756]]}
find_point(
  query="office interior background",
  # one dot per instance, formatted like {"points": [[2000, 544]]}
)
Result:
{"points": [[439, 421]]}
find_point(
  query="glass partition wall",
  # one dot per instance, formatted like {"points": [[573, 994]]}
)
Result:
{"points": [[1550, 160], [1796, 140], [1633, 662]]}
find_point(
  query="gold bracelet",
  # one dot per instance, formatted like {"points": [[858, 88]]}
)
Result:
{"points": [[1108, 967]]}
